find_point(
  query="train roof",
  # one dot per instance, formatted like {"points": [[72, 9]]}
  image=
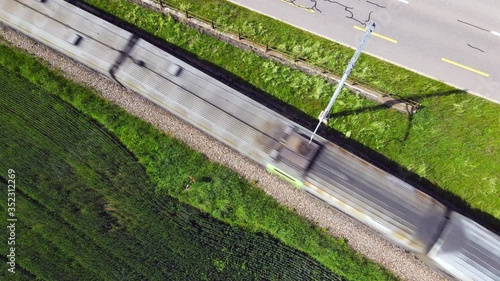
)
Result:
{"points": [[401, 212], [467, 250], [73, 32]]}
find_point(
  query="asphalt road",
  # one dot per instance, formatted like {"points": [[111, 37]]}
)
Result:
{"points": [[455, 41]]}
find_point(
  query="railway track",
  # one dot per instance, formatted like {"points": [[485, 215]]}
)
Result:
{"points": [[405, 215]]}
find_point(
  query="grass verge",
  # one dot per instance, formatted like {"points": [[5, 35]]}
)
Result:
{"points": [[84, 198], [452, 141]]}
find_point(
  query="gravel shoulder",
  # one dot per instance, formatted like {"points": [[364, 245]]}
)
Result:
{"points": [[361, 238]]}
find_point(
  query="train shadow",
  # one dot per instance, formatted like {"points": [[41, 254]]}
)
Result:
{"points": [[454, 202]]}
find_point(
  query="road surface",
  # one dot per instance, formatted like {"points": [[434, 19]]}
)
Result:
{"points": [[457, 42]]}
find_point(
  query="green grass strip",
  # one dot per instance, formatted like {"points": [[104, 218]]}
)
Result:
{"points": [[452, 141], [75, 170]]}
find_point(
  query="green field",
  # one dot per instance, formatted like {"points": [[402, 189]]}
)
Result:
{"points": [[452, 142], [101, 196]]}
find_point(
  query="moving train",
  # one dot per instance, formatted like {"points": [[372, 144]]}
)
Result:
{"points": [[445, 239]]}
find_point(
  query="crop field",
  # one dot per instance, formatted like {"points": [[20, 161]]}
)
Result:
{"points": [[100, 196], [452, 142]]}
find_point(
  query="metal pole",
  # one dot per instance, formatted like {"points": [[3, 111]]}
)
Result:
{"points": [[324, 114]]}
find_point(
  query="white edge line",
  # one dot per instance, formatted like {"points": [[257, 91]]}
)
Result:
{"points": [[495, 33]]}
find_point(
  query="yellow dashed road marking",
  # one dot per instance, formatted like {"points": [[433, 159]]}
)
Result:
{"points": [[466, 67], [377, 35], [299, 6]]}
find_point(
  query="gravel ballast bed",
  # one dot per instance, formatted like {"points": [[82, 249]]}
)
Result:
{"points": [[361, 238]]}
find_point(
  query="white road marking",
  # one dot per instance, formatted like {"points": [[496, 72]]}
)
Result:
{"points": [[404, 1], [495, 33]]}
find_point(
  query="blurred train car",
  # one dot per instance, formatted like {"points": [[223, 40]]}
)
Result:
{"points": [[467, 250], [402, 213]]}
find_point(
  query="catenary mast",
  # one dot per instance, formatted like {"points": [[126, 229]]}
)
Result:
{"points": [[323, 116]]}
